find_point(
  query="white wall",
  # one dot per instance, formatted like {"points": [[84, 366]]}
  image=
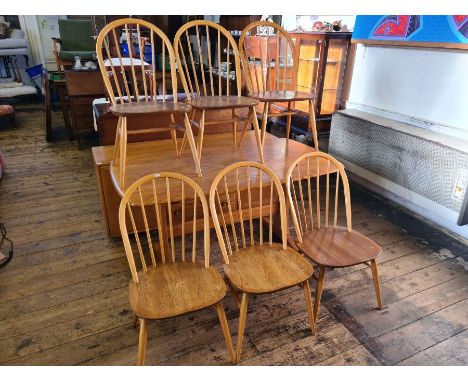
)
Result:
{"points": [[425, 87], [48, 28]]}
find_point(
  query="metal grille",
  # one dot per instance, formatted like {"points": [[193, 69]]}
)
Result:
{"points": [[425, 167]]}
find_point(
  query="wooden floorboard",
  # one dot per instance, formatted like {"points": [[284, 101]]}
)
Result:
{"points": [[64, 296]]}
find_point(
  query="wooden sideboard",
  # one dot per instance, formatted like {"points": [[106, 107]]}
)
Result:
{"points": [[82, 88]]}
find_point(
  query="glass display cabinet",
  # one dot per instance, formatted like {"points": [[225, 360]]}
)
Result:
{"points": [[323, 61], [324, 67]]}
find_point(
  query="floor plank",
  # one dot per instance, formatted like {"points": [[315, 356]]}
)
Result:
{"points": [[64, 296]]}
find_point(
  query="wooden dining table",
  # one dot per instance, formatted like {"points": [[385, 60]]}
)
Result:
{"points": [[144, 158]]}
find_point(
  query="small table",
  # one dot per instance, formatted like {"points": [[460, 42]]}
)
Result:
{"points": [[61, 88]]}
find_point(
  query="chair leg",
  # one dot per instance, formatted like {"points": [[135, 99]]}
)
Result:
{"points": [[142, 342], [226, 333], [182, 145], [313, 125], [318, 293], [375, 276], [288, 128], [193, 148], [184, 139], [242, 320], [246, 125], [174, 142], [201, 133], [264, 120], [135, 321], [117, 139], [174, 137], [234, 126], [123, 152], [257, 136], [233, 292], [310, 310]]}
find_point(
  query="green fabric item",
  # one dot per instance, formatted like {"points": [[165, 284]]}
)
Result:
{"points": [[75, 35], [70, 55]]}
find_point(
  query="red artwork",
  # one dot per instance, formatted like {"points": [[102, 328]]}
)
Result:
{"points": [[460, 19], [397, 27], [461, 23]]}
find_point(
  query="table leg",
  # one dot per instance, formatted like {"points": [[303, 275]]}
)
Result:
{"points": [[63, 104]]}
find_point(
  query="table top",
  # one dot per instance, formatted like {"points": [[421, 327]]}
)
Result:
{"points": [[145, 158]]}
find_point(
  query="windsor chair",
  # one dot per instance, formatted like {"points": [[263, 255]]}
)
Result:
{"points": [[172, 280], [208, 61], [321, 239], [132, 84], [255, 265], [270, 65]]}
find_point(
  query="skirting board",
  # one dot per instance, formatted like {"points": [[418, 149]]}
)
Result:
{"points": [[406, 198]]}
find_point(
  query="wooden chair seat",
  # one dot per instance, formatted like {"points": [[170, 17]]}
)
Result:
{"points": [[337, 248], [136, 108], [283, 96], [169, 290], [221, 102], [265, 268]]}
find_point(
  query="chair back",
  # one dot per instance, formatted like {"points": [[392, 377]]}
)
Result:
{"points": [[208, 59], [76, 35], [135, 57], [243, 193], [150, 203], [268, 57], [311, 202]]}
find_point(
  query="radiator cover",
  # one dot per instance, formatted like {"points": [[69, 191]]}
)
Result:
{"points": [[404, 159]]}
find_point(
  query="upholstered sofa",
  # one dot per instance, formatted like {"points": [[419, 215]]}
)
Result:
{"points": [[15, 44]]}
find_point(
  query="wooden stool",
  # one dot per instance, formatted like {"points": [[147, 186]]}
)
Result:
{"points": [[8, 111]]}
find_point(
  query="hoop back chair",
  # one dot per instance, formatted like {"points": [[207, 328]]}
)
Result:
{"points": [[132, 81], [315, 211], [169, 278], [255, 265], [270, 63], [204, 50]]}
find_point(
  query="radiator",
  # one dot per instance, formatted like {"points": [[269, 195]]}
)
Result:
{"points": [[423, 170]]}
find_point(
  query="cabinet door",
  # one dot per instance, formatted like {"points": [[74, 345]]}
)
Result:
{"points": [[333, 78], [309, 49]]}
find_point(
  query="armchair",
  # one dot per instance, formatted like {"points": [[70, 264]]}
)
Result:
{"points": [[76, 39]]}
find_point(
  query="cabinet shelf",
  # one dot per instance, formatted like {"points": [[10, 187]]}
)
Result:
{"points": [[318, 59]]}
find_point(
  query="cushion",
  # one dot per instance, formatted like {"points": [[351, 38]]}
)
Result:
{"points": [[6, 110], [10, 84], [14, 52], [70, 55], [19, 91], [16, 34], [75, 35], [13, 43]]}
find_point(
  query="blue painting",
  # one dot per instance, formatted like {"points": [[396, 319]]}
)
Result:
{"points": [[415, 28]]}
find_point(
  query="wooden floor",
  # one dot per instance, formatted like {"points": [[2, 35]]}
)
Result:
{"points": [[63, 297]]}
